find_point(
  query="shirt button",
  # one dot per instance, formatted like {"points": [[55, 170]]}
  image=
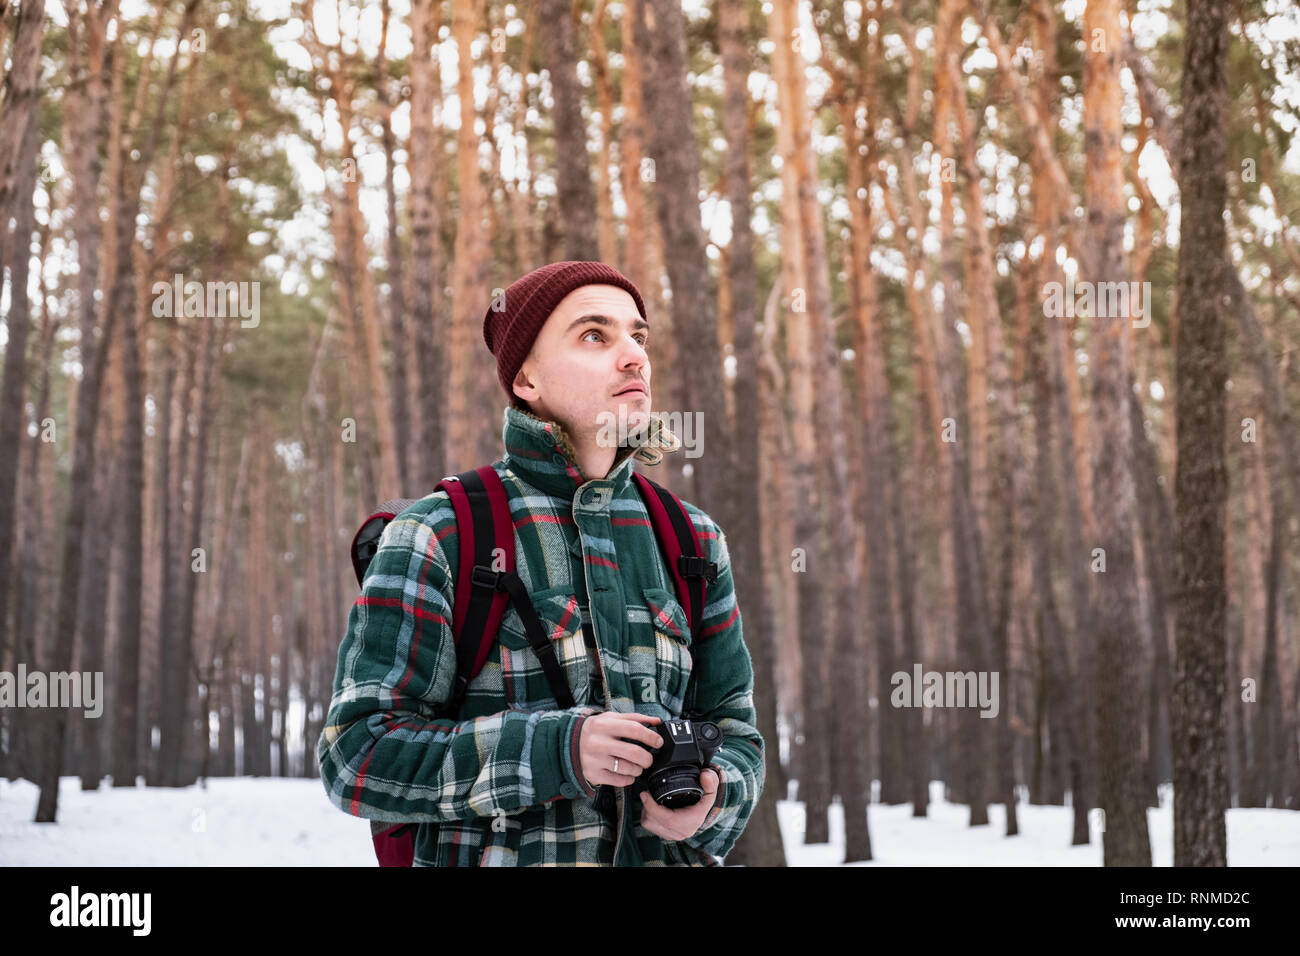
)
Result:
{"points": [[568, 790]]}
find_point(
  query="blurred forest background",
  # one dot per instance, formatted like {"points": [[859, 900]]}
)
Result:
{"points": [[846, 218]]}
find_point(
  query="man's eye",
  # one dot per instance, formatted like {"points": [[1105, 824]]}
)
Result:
{"points": [[640, 338]]}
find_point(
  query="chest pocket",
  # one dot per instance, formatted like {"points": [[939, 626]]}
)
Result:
{"points": [[672, 641], [523, 680]]}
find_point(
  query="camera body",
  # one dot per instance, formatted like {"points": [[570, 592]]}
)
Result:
{"points": [[673, 779]]}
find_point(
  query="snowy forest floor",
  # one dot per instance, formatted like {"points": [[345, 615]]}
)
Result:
{"points": [[288, 822]]}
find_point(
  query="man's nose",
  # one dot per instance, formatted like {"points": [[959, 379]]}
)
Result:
{"points": [[633, 355]]}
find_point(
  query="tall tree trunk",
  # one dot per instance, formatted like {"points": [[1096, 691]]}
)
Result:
{"points": [[31, 611], [1067, 698], [375, 384], [472, 385], [777, 543], [575, 195], [126, 750], [398, 333], [985, 316], [660, 29], [973, 618], [95, 345], [13, 415], [874, 463], [1157, 538], [1125, 841], [760, 844], [18, 108], [130, 507], [607, 227], [636, 262], [812, 735], [427, 452], [1201, 482], [176, 729], [1265, 770], [174, 557], [20, 142], [99, 555]]}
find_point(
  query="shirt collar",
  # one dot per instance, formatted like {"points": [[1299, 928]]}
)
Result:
{"points": [[541, 453]]}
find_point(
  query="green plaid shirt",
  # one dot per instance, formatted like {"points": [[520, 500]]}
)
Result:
{"points": [[503, 785]]}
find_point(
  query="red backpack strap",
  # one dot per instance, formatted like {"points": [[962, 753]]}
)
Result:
{"points": [[680, 543], [482, 519]]}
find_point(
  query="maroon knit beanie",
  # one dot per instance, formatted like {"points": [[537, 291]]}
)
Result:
{"points": [[514, 319]]}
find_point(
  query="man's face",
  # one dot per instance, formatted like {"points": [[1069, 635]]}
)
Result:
{"points": [[592, 347]]}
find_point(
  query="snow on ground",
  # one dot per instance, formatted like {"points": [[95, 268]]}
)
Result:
{"points": [[289, 822]]}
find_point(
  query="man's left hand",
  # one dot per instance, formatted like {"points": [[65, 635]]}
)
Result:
{"points": [[680, 824]]}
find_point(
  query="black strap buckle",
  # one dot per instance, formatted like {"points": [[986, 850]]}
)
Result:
{"points": [[485, 577], [691, 566]]}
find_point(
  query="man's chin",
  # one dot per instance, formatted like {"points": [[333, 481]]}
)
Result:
{"points": [[626, 419], [637, 413]]}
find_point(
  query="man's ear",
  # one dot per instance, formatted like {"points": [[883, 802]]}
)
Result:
{"points": [[524, 389]]}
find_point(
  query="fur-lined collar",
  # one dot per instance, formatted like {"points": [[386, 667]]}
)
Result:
{"points": [[542, 451]]}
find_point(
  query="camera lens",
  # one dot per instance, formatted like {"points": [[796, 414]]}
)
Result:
{"points": [[676, 787]]}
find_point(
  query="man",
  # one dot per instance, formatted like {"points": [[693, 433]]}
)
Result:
{"points": [[514, 780]]}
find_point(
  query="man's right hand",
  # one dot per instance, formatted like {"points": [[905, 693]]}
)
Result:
{"points": [[610, 736]]}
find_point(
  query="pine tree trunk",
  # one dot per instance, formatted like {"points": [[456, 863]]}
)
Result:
{"points": [[1157, 540], [1064, 692], [13, 416], [676, 193], [472, 388], [374, 384], [849, 716], [95, 346], [636, 257], [1201, 482], [20, 142], [985, 316], [1125, 841], [760, 844], [607, 226], [875, 464], [776, 538], [398, 333], [968, 564], [428, 322], [32, 611], [576, 197], [130, 509]]}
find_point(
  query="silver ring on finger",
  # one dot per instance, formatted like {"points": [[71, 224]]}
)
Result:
{"points": [[616, 765]]}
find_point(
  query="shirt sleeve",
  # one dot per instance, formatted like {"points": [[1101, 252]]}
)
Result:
{"points": [[721, 689], [382, 753]]}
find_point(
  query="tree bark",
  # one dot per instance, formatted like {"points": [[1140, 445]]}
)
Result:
{"points": [[427, 453], [1201, 483], [760, 844], [1125, 840], [472, 387], [576, 197], [398, 334], [20, 142]]}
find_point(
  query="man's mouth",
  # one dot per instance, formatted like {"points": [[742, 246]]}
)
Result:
{"points": [[631, 389]]}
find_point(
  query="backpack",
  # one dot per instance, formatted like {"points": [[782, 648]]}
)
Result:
{"points": [[483, 518]]}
